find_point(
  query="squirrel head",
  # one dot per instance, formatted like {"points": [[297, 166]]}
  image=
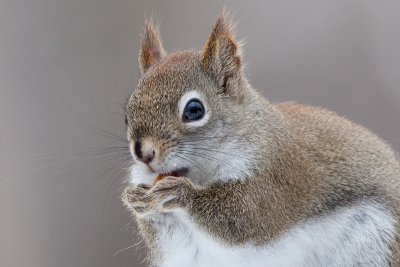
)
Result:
{"points": [[188, 114]]}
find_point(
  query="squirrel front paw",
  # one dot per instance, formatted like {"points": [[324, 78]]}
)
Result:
{"points": [[168, 194], [134, 198]]}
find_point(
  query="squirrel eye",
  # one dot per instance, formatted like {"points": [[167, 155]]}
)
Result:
{"points": [[194, 110]]}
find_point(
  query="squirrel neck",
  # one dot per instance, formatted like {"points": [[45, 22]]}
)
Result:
{"points": [[269, 134]]}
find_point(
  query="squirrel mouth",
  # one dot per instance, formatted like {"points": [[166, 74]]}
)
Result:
{"points": [[176, 173]]}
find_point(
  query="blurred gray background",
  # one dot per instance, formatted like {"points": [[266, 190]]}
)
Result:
{"points": [[67, 66]]}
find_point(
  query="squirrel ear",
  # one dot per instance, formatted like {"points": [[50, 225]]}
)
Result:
{"points": [[152, 50], [221, 57]]}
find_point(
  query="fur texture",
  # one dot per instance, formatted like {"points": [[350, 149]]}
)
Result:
{"points": [[355, 236], [264, 185]]}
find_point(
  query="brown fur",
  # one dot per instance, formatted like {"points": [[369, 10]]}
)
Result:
{"points": [[308, 161], [152, 50]]}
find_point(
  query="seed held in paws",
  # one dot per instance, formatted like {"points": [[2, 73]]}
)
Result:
{"points": [[159, 178]]}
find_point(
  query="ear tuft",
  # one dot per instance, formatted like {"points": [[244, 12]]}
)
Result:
{"points": [[222, 58], [152, 50]]}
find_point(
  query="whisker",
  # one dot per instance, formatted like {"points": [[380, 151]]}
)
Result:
{"points": [[92, 180], [187, 159], [107, 134], [118, 174], [132, 246], [210, 158], [217, 151]]}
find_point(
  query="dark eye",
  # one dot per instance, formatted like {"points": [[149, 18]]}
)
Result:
{"points": [[193, 111]]}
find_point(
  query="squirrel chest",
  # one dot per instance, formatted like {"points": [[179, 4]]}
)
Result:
{"points": [[350, 237]]}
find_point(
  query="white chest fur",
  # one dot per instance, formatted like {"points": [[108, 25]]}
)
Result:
{"points": [[355, 236]]}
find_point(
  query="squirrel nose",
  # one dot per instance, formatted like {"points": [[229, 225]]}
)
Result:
{"points": [[145, 156]]}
